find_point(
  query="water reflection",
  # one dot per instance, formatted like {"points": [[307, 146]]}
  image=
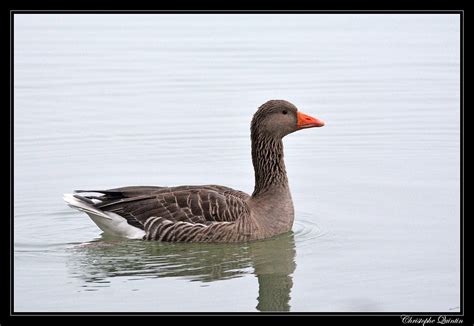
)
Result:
{"points": [[271, 261]]}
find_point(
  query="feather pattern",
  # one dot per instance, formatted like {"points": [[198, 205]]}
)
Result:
{"points": [[184, 213]]}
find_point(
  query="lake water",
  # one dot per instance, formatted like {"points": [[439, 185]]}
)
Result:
{"points": [[103, 101]]}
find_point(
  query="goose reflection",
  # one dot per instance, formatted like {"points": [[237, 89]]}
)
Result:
{"points": [[271, 261]]}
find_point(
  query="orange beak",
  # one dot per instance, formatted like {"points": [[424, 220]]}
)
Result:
{"points": [[305, 121]]}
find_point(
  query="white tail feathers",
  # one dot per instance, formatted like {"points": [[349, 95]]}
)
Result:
{"points": [[109, 222]]}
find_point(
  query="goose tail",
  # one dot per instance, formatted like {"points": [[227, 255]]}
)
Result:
{"points": [[109, 222]]}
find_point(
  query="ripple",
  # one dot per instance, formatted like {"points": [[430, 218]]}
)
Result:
{"points": [[306, 229]]}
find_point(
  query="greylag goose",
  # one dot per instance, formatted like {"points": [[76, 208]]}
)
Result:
{"points": [[209, 213]]}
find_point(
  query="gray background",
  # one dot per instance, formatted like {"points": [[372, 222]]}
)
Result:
{"points": [[104, 101]]}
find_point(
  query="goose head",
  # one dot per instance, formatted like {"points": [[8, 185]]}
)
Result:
{"points": [[278, 118]]}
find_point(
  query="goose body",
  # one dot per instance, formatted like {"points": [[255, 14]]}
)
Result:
{"points": [[208, 213]]}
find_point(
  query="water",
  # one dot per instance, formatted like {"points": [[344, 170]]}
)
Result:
{"points": [[104, 101]]}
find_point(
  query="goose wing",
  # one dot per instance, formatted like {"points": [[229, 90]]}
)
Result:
{"points": [[183, 210]]}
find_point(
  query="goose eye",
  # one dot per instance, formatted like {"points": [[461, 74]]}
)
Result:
{"points": [[284, 112]]}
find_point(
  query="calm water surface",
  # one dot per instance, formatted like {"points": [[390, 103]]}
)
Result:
{"points": [[104, 101]]}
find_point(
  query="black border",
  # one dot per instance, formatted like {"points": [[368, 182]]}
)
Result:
{"points": [[309, 12], [460, 314]]}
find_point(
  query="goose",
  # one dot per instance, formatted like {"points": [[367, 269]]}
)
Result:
{"points": [[208, 213]]}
